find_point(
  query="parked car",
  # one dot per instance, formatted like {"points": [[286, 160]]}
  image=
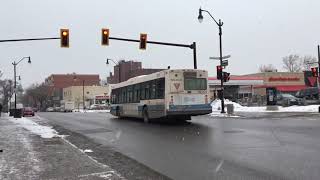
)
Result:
{"points": [[99, 107], [28, 111], [288, 100], [309, 95], [50, 109]]}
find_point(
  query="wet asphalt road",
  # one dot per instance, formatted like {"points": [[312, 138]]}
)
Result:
{"points": [[252, 146]]}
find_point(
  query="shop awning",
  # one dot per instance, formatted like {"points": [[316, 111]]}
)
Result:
{"points": [[291, 88]]}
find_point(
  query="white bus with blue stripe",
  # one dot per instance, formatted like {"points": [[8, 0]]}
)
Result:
{"points": [[168, 94]]}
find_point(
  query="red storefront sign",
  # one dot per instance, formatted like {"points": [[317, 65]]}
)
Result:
{"points": [[284, 79], [102, 97]]}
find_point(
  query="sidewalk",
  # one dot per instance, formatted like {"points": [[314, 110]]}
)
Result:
{"points": [[27, 155]]}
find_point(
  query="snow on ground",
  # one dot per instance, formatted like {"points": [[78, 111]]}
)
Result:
{"points": [[87, 151], [216, 107], [91, 111], [43, 131]]}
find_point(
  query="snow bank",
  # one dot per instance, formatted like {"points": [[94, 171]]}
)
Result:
{"points": [[43, 131], [87, 151], [92, 111], [216, 107]]}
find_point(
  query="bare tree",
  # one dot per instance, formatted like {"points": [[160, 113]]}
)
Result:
{"points": [[292, 63], [36, 96], [267, 68], [308, 62], [6, 88]]}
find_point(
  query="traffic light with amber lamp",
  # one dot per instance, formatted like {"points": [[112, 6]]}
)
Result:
{"points": [[105, 37], [64, 38], [219, 72], [143, 41], [314, 72], [226, 77]]}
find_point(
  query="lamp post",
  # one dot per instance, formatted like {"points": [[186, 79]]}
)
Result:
{"points": [[116, 63], [10, 84], [83, 105], [15, 79], [220, 24]]}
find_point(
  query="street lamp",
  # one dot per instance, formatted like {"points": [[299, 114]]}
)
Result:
{"points": [[116, 63], [220, 24], [15, 79]]}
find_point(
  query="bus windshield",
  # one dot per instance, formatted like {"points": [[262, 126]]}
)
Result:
{"points": [[195, 84]]}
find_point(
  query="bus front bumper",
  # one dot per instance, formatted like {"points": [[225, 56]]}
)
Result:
{"points": [[192, 110]]}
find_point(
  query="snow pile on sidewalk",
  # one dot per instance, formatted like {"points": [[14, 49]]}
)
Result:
{"points": [[216, 106], [91, 111], [43, 131]]}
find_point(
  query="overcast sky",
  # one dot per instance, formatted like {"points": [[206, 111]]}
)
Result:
{"points": [[254, 33]]}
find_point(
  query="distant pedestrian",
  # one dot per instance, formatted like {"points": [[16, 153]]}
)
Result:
{"points": [[0, 109]]}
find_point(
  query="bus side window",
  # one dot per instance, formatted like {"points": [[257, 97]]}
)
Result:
{"points": [[147, 90], [129, 98], [136, 93], [143, 91], [153, 89], [124, 95], [160, 88]]}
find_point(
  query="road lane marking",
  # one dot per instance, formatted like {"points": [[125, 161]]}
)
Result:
{"points": [[103, 165]]}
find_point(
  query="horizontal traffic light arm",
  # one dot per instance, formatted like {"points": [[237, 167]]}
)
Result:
{"points": [[32, 39], [154, 42]]}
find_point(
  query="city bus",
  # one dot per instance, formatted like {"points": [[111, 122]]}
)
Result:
{"points": [[168, 94]]}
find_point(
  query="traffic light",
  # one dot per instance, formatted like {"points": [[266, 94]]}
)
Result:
{"points": [[226, 77], [314, 71], [105, 37], [64, 38], [219, 72], [143, 41]]}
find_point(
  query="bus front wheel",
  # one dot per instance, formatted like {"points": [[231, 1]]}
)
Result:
{"points": [[145, 115]]}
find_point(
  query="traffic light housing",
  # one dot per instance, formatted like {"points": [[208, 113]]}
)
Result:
{"points": [[219, 72], [143, 41], [226, 77], [64, 38], [314, 72], [105, 37]]}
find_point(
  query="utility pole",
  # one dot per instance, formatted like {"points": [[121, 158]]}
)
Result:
{"points": [[10, 82], [318, 78], [15, 85], [83, 105]]}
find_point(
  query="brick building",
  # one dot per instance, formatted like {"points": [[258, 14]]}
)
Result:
{"points": [[57, 82], [128, 69]]}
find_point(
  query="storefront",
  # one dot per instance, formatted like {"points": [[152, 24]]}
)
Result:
{"points": [[237, 87], [284, 82], [251, 89], [102, 99]]}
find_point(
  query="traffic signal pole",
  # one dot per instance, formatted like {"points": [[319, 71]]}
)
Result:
{"points": [[31, 39], [220, 24], [191, 46], [318, 78], [318, 61]]}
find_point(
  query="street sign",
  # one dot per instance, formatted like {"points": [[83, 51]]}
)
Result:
{"points": [[218, 58], [225, 63]]}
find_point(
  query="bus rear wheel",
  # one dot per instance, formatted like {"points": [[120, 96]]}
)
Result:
{"points": [[145, 115]]}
